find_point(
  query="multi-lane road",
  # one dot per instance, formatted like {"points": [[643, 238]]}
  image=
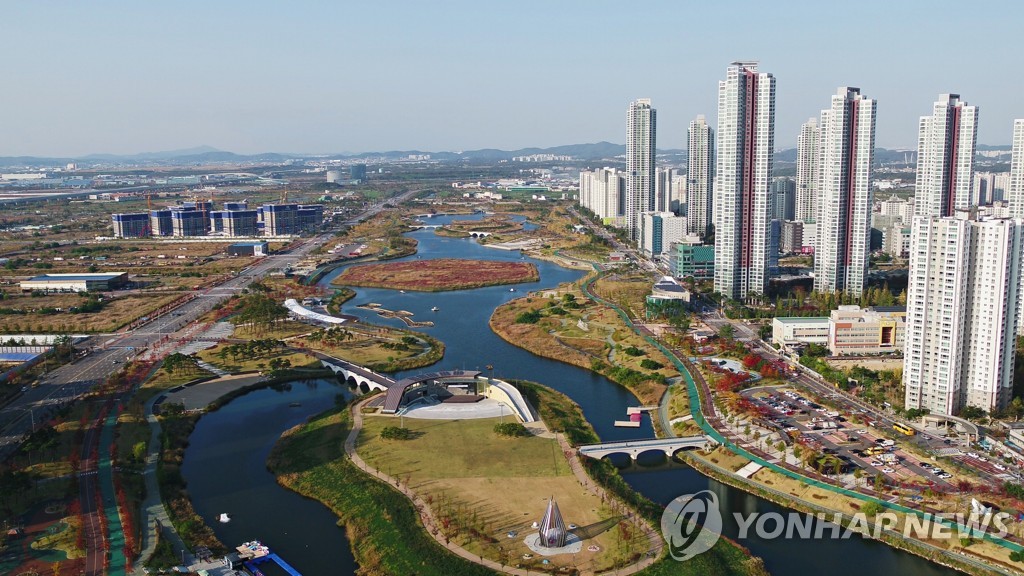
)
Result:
{"points": [[108, 352]]}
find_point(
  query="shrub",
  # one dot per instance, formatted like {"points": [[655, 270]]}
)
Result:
{"points": [[511, 430], [396, 433], [651, 364], [531, 317], [633, 351]]}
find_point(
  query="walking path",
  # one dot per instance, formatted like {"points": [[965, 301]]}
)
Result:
{"points": [[430, 523], [154, 517]]}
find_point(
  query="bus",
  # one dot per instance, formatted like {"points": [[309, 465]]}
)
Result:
{"points": [[903, 428]]}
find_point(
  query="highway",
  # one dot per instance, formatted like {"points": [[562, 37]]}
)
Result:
{"points": [[63, 385]]}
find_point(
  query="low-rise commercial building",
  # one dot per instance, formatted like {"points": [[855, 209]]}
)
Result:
{"points": [[790, 331], [75, 282], [249, 249], [689, 258], [855, 331]]}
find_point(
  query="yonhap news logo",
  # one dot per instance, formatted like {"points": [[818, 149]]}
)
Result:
{"points": [[692, 524]]}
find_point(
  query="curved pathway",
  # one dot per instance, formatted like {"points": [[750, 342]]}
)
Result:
{"points": [[430, 523]]}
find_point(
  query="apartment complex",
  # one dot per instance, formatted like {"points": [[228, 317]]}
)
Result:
{"points": [[603, 192], [700, 176], [846, 146], [743, 174], [945, 157], [962, 303], [641, 124], [807, 172]]}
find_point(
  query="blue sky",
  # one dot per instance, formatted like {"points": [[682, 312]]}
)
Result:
{"points": [[321, 77]]}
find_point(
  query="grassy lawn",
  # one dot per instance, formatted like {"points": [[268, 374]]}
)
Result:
{"points": [[256, 364], [470, 448], [280, 331], [309, 460], [115, 313], [486, 486]]}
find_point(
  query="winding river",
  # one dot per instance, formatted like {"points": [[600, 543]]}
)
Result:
{"points": [[224, 464]]}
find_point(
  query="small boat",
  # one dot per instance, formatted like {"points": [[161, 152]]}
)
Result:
{"points": [[295, 405], [511, 289], [224, 518], [434, 309], [401, 291]]}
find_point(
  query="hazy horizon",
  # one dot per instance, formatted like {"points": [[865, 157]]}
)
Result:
{"points": [[126, 78]]}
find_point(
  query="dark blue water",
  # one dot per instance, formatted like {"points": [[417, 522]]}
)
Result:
{"points": [[226, 470], [461, 323]]}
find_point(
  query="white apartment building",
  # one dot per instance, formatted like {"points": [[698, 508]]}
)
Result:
{"points": [[946, 146], [894, 206], [962, 302], [700, 176], [745, 144], [641, 123], [603, 191], [665, 192], [658, 230], [807, 172], [846, 146], [1015, 187]]}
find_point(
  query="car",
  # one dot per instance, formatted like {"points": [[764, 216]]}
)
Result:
{"points": [[862, 431], [573, 526], [888, 470], [1000, 467], [875, 463], [512, 534]]}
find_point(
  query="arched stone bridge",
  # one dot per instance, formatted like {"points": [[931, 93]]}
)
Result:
{"points": [[634, 448], [354, 374]]}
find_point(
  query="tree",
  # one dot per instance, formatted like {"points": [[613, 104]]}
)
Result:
{"points": [[972, 413], [727, 332]]}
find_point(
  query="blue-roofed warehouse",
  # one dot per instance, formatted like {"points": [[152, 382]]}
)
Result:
{"points": [[75, 282]]}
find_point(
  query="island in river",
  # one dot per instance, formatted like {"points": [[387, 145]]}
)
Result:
{"points": [[438, 275]]}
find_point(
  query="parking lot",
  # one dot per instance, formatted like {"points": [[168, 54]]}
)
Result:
{"points": [[857, 446]]}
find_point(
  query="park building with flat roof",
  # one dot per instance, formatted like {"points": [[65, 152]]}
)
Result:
{"points": [[75, 282], [791, 331]]}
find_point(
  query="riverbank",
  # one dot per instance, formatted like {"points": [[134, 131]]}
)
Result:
{"points": [[562, 325]]}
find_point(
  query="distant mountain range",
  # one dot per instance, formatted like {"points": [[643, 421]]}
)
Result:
{"points": [[210, 155]]}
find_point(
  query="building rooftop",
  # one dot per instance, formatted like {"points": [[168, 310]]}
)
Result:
{"points": [[801, 319], [72, 277]]}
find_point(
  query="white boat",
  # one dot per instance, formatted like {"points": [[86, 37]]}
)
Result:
{"points": [[434, 309], [401, 291], [224, 518], [511, 289]]}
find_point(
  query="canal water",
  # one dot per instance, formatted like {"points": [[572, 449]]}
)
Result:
{"points": [[224, 464]]}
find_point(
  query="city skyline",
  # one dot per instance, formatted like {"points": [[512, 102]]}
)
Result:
{"points": [[322, 78]]}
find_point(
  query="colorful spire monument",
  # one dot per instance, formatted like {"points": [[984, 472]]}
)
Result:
{"points": [[552, 527]]}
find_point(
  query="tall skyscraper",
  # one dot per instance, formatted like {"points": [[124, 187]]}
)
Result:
{"points": [[807, 172], [640, 152], [846, 145], [603, 192], [700, 176], [665, 193], [1015, 189], [783, 199], [962, 302], [945, 157], [743, 175]]}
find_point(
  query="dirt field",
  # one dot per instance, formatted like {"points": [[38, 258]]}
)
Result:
{"points": [[877, 364]]}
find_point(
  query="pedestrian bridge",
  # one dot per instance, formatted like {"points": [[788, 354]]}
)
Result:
{"points": [[353, 373], [634, 448]]}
